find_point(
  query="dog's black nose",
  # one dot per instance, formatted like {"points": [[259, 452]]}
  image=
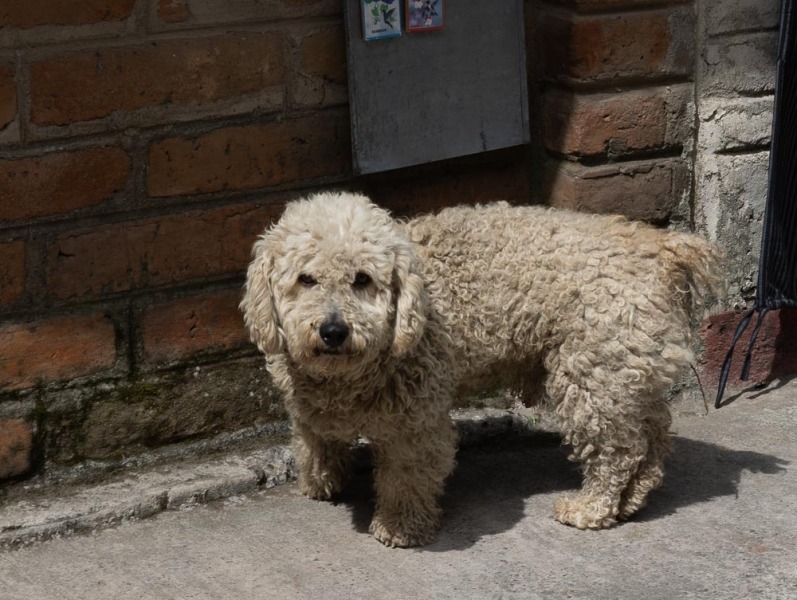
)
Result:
{"points": [[333, 333]]}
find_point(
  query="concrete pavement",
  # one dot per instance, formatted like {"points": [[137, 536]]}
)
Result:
{"points": [[722, 526]]}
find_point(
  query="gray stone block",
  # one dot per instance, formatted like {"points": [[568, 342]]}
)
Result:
{"points": [[729, 16], [735, 123], [740, 64], [733, 189]]}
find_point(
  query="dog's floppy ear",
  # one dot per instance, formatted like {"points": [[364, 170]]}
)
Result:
{"points": [[410, 299], [260, 314]]}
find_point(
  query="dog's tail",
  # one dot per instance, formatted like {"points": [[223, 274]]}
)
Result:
{"points": [[695, 267]]}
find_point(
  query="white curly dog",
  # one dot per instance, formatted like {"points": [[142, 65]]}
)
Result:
{"points": [[371, 326]]}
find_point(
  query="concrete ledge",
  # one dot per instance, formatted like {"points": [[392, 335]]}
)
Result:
{"points": [[30, 513], [60, 510]]}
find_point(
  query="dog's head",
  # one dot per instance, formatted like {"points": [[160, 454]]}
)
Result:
{"points": [[334, 284]]}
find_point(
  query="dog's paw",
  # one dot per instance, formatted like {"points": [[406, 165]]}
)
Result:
{"points": [[394, 535], [319, 489], [584, 513]]}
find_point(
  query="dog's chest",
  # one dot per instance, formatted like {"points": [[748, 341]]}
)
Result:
{"points": [[348, 416]]}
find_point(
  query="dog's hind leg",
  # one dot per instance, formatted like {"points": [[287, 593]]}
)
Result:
{"points": [[323, 464], [608, 442], [651, 471], [409, 477]]}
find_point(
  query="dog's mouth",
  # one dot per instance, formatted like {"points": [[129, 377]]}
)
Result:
{"points": [[328, 352]]}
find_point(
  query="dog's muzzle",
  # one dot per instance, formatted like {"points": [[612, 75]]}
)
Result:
{"points": [[333, 334]]}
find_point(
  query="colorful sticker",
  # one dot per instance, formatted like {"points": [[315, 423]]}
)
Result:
{"points": [[424, 15], [381, 19]]}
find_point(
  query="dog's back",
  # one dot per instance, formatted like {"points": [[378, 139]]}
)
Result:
{"points": [[515, 282]]}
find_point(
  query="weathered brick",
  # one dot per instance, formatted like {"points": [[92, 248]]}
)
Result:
{"points": [[774, 353], [12, 272], [599, 5], [320, 72], [616, 124], [60, 182], [743, 63], [173, 11], [175, 330], [638, 45], [647, 191], [16, 443], [8, 95], [413, 195], [189, 404], [729, 16], [168, 14], [32, 13], [80, 86], [115, 258], [59, 348], [324, 54], [250, 156]]}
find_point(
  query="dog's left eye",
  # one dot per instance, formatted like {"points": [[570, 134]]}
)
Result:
{"points": [[307, 280], [361, 279]]}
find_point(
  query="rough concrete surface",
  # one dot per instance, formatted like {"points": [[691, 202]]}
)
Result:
{"points": [[722, 526]]}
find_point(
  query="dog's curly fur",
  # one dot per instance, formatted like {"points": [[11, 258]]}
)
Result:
{"points": [[370, 327]]}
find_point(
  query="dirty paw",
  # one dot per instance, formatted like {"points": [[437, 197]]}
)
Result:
{"points": [[394, 535], [323, 489], [584, 513]]}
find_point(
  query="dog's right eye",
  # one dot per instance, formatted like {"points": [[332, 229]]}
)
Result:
{"points": [[361, 279], [307, 280]]}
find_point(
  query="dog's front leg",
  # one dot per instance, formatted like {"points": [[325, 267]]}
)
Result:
{"points": [[323, 464], [409, 476]]}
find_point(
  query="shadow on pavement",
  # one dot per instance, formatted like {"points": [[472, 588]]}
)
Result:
{"points": [[488, 490], [758, 389]]}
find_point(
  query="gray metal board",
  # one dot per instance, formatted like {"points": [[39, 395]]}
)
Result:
{"points": [[429, 96]]}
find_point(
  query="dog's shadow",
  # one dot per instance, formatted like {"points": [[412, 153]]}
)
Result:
{"points": [[488, 490]]}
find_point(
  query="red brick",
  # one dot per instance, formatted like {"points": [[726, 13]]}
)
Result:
{"points": [[413, 195], [250, 156], [56, 349], [170, 14], [81, 86], [32, 13], [323, 54], [774, 354], [599, 5], [647, 191], [60, 182], [615, 124], [115, 258], [12, 272], [8, 95], [304, 3], [319, 69], [210, 322], [173, 11], [16, 443], [639, 45]]}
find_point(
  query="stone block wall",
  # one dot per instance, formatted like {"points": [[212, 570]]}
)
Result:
{"points": [[735, 87], [734, 92]]}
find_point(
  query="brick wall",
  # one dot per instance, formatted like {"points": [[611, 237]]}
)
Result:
{"points": [[145, 143], [614, 105], [143, 146]]}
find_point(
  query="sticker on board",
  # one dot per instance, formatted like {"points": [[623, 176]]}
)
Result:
{"points": [[381, 19], [424, 15]]}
